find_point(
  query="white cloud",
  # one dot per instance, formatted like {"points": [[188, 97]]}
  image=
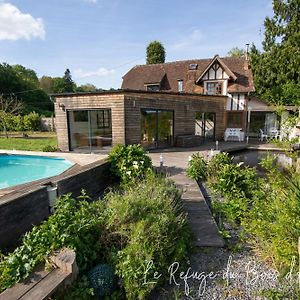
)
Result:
{"points": [[191, 39], [102, 72], [15, 25]]}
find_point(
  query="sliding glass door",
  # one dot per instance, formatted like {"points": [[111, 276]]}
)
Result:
{"points": [[205, 125], [89, 130], [157, 128]]}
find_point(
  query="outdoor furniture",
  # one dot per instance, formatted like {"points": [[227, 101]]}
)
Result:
{"points": [[274, 133], [262, 135], [234, 133]]}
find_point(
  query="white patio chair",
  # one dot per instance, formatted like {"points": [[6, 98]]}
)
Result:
{"points": [[262, 135]]}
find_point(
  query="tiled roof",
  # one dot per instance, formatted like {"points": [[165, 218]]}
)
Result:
{"points": [[170, 73]]}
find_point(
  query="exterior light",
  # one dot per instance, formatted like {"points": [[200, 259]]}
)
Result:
{"points": [[161, 160], [62, 106], [217, 145]]}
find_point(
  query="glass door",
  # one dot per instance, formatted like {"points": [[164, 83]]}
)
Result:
{"points": [[89, 130], [205, 125], [157, 128]]}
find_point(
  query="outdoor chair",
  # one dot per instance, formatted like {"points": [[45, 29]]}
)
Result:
{"points": [[262, 135]]}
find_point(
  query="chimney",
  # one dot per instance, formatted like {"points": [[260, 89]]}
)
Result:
{"points": [[247, 64]]}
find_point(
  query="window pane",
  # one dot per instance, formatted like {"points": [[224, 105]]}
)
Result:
{"points": [[234, 120]]}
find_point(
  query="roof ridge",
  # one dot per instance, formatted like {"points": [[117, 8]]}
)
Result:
{"points": [[187, 60]]}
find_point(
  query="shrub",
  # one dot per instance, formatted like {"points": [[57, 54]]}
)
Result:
{"points": [[153, 231], [49, 148], [217, 162], [274, 217], [74, 224], [197, 167], [32, 122], [129, 162]]}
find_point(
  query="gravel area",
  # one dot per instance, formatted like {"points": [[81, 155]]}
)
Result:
{"points": [[218, 273]]}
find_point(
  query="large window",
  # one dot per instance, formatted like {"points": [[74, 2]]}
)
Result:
{"points": [[89, 130], [214, 88]]}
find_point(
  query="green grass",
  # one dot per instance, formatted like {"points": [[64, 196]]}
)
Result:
{"points": [[35, 141]]}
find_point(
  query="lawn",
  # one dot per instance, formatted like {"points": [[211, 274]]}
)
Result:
{"points": [[35, 141]]}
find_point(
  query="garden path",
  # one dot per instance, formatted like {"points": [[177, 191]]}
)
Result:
{"points": [[199, 215]]}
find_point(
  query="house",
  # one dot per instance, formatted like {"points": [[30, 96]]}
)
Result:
{"points": [[179, 103], [228, 76]]}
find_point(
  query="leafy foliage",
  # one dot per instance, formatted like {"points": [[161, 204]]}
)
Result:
{"points": [[276, 70], [23, 84], [236, 52], [75, 224], [155, 53], [150, 223], [267, 208], [129, 162], [197, 167]]}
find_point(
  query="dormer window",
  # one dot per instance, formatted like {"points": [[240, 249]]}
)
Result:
{"points": [[214, 88], [180, 85], [153, 87]]}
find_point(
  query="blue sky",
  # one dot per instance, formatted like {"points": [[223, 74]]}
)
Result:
{"points": [[100, 40]]}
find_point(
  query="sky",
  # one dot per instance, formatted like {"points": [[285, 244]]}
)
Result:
{"points": [[100, 40]]}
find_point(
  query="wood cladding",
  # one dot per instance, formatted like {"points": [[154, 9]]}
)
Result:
{"points": [[126, 112]]}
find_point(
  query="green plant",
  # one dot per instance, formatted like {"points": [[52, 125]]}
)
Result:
{"points": [[129, 162], [217, 162], [153, 233], [49, 148], [75, 223], [197, 167]]}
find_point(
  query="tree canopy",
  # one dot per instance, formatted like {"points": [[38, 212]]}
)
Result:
{"points": [[155, 53], [276, 69], [236, 52], [23, 84]]}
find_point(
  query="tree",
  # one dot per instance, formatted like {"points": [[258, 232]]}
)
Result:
{"points": [[235, 52], [276, 70], [46, 84], [68, 82], [8, 106], [155, 53], [86, 88], [23, 84]]}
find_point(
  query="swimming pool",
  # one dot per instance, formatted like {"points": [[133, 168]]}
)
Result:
{"points": [[18, 169]]}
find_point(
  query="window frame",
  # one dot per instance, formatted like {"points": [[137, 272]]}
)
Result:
{"points": [[218, 85]]}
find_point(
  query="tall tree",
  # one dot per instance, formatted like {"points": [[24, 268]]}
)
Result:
{"points": [[236, 52], [156, 53], [276, 70], [68, 82]]}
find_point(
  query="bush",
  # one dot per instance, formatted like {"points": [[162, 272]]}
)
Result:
{"points": [[49, 148], [197, 167], [153, 231], [274, 217], [129, 162], [217, 162], [74, 224], [32, 122]]}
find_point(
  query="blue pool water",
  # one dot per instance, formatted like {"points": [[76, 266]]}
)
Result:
{"points": [[18, 169]]}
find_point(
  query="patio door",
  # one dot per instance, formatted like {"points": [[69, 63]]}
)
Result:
{"points": [[157, 127], [89, 130], [205, 125]]}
